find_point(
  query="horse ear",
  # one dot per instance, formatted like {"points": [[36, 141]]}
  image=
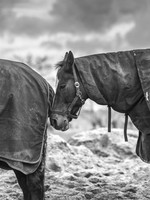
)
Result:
{"points": [[70, 59], [66, 56], [69, 62]]}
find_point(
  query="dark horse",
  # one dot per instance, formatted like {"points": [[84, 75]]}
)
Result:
{"points": [[25, 104], [120, 80]]}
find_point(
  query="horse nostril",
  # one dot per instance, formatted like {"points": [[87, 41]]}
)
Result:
{"points": [[54, 122], [65, 121]]}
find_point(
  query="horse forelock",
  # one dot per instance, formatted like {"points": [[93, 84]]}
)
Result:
{"points": [[59, 65]]}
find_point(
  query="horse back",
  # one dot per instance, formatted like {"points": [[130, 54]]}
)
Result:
{"points": [[24, 107]]}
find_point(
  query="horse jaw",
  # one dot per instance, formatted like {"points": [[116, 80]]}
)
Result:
{"points": [[59, 122]]}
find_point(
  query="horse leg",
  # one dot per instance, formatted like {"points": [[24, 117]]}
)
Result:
{"points": [[35, 184], [22, 180], [32, 185], [35, 181]]}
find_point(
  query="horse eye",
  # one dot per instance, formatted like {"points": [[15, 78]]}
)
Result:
{"points": [[62, 86]]}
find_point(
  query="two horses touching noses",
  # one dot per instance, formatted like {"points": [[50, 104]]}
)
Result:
{"points": [[120, 80]]}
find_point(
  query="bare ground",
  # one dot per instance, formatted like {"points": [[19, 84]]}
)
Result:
{"points": [[92, 165]]}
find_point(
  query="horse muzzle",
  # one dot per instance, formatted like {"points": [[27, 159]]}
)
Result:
{"points": [[59, 122]]}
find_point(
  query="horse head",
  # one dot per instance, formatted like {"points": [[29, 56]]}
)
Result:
{"points": [[70, 94]]}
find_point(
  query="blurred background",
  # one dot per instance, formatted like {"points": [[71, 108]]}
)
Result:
{"points": [[39, 32]]}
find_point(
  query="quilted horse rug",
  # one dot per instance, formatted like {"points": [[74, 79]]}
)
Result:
{"points": [[25, 100], [122, 81]]}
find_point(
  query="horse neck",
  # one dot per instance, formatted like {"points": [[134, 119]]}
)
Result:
{"points": [[77, 78], [111, 79], [87, 69]]}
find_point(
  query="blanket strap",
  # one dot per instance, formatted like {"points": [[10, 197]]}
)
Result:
{"points": [[109, 118], [125, 127]]}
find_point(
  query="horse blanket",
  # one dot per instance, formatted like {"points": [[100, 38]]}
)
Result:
{"points": [[25, 102], [122, 81]]}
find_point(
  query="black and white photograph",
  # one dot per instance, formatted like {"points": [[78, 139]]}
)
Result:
{"points": [[74, 100]]}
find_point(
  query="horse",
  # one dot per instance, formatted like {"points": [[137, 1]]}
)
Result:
{"points": [[120, 80], [25, 105]]}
